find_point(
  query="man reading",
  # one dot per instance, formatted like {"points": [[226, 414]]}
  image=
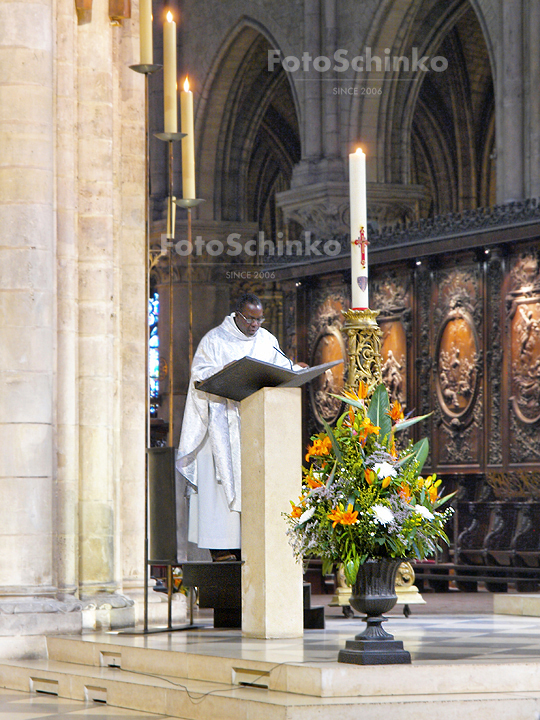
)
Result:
{"points": [[209, 451]]}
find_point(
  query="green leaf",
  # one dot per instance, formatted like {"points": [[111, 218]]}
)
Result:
{"points": [[419, 453], [335, 446], [350, 569], [378, 411], [327, 566], [349, 401], [410, 421], [331, 476], [442, 500]]}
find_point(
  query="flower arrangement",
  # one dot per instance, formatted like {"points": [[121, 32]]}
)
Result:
{"points": [[362, 498]]}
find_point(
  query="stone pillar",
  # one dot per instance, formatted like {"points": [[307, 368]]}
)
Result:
{"points": [[27, 326], [306, 171], [99, 574], [271, 476], [510, 146], [132, 305], [533, 99], [333, 164], [67, 471]]}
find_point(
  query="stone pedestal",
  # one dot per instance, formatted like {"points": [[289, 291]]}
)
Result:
{"points": [[271, 476]]}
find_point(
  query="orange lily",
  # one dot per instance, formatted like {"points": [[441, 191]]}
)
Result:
{"points": [[370, 476], [342, 516], [367, 428], [405, 492], [296, 511], [313, 482], [321, 446]]}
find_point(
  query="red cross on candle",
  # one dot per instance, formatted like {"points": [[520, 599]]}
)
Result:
{"points": [[363, 243]]}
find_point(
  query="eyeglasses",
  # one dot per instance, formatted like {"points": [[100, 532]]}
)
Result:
{"points": [[251, 320]]}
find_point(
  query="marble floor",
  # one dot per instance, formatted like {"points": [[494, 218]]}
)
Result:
{"points": [[433, 634]]}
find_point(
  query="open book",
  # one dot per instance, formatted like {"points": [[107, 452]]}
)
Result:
{"points": [[240, 379]]}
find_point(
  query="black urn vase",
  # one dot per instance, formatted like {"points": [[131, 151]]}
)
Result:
{"points": [[374, 593]]}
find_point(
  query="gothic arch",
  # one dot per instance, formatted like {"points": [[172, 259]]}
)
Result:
{"points": [[248, 128], [414, 105]]}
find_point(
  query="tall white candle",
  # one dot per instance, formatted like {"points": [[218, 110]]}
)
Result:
{"points": [[170, 106], [145, 32], [188, 143], [359, 253]]}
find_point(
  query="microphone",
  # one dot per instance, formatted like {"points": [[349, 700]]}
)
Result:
{"points": [[282, 353]]}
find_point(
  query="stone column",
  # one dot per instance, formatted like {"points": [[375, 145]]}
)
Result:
{"points": [[306, 172], [333, 163], [27, 326], [132, 307], [532, 188], [510, 148], [67, 471], [98, 324]]}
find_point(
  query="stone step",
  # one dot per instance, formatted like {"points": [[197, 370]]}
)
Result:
{"points": [[166, 675], [318, 679], [192, 699]]}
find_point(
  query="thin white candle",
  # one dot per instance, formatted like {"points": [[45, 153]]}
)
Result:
{"points": [[145, 32], [170, 106], [188, 143], [359, 253]]}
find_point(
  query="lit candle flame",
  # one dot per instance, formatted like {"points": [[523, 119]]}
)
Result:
{"points": [[186, 85], [359, 150], [169, 16]]}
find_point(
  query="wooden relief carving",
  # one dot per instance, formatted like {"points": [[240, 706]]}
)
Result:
{"points": [[523, 333], [326, 343], [525, 359], [394, 359], [457, 364], [423, 352], [328, 346], [494, 358], [290, 346], [391, 296]]}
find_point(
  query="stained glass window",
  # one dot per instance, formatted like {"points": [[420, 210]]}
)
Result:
{"points": [[153, 352]]}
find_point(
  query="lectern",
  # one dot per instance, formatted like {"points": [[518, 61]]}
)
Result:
{"points": [[271, 476], [271, 414]]}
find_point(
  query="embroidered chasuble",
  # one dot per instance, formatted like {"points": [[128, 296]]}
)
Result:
{"points": [[209, 452]]}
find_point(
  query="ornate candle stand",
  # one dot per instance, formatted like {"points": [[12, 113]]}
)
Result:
{"points": [[363, 348]]}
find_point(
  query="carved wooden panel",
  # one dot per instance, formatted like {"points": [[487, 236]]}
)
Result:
{"points": [[390, 294], [457, 366], [456, 374], [523, 356], [494, 360], [326, 343], [328, 346]]}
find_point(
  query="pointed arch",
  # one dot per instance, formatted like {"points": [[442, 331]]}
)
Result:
{"points": [[413, 101], [248, 127]]}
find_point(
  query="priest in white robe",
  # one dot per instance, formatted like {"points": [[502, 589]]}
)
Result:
{"points": [[209, 451]]}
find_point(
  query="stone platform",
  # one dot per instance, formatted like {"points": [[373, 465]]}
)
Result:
{"points": [[468, 666]]}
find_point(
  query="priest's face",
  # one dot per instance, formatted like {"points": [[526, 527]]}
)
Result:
{"points": [[250, 319]]}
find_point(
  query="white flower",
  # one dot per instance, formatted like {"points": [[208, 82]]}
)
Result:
{"points": [[383, 514], [385, 470], [306, 515], [424, 512]]}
